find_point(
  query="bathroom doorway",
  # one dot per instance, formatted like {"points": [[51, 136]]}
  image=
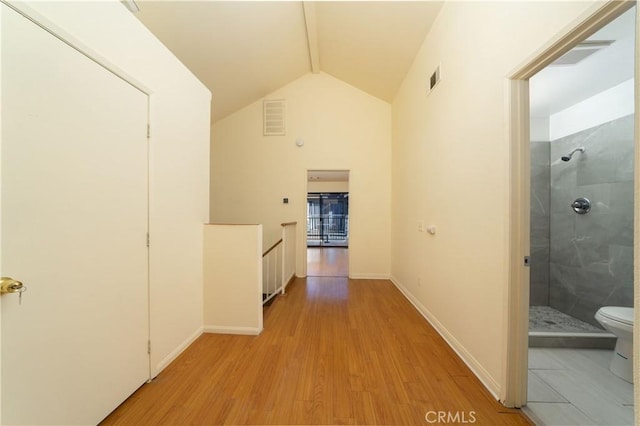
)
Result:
{"points": [[582, 181], [574, 223], [327, 223]]}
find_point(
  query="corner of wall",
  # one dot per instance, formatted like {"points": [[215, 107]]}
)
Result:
{"points": [[171, 356]]}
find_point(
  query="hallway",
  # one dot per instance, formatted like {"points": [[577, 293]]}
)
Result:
{"points": [[333, 351], [328, 262]]}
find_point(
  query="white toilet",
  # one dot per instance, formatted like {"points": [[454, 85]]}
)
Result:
{"points": [[619, 321]]}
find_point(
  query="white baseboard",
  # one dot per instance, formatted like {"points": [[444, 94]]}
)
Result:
{"points": [[369, 276], [245, 331], [288, 281], [481, 373], [176, 352]]}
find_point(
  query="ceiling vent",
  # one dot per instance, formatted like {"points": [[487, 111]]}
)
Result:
{"points": [[273, 117], [581, 51]]}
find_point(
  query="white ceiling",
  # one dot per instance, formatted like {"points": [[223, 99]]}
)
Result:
{"points": [[558, 87], [243, 50], [371, 45]]}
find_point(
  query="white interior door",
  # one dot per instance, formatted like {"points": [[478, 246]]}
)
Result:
{"points": [[74, 223]]}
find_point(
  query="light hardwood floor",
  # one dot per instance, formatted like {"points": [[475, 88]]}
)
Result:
{"points": [[333, 351], [328, 262]]}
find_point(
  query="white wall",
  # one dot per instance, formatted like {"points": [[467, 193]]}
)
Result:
{"points": [[179, 154], [343, 129], [327, 186], [606, 106], [233, 279], [450, 168], [539, 129]]}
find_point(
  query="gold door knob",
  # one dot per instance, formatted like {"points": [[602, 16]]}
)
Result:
{"points": [[9, 285]]}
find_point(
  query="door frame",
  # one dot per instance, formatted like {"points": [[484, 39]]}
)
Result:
{"points": [[514, 387], [69, 39]]}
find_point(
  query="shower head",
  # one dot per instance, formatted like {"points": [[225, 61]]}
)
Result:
{"points": [[569, 155]]}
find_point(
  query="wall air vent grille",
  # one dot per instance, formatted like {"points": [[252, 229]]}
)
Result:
{"points": [[434, 79], [273, 117]]}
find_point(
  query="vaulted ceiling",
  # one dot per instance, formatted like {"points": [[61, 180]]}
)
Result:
{"points": [[243, 50]]}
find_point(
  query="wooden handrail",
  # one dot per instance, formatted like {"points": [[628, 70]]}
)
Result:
{"points": [[272, 247], [288, 223]]}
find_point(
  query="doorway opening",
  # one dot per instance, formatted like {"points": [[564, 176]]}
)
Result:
{"points": [[327, 217], [552, 389], [581, 226]]}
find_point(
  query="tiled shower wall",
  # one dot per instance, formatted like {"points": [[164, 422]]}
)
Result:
{"points": [[540, 208], [582, 262], [591, 255]]}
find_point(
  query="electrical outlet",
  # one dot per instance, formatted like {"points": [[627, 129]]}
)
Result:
{"points": [[420, 226]]}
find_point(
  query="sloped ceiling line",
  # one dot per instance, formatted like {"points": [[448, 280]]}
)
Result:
{"points": [[312, 34], [244, 50]]}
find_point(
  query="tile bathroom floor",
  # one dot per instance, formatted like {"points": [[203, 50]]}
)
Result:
{"points": [[575, 387]]}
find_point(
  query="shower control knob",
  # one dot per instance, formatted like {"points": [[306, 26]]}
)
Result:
{"points": [[581, 205]]}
